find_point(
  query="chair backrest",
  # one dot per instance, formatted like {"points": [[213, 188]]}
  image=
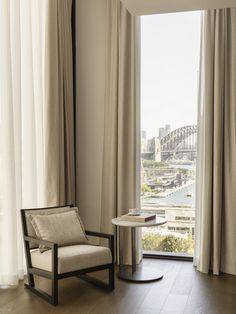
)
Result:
{"points": [[28, 229]]}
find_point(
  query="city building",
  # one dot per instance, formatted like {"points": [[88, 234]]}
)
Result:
{"points": [[163, 131], [150, 148], [143, 142], [180, 221]]}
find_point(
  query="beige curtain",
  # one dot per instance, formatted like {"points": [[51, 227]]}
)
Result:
{"points": [[216, 207], [119, 178], [58, 112]]}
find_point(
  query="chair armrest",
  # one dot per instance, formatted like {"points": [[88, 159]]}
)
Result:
{"points": [[99, 234], [40, 241], [108, 236], [53, 246]]}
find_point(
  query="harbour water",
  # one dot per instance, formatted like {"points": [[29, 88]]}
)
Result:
{"points": [[176, 198]]}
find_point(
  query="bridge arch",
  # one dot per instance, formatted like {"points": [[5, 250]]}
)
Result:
{"points": [[173, 140]]}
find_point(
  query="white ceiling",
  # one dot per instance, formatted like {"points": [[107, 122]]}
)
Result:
{"points": [[142, 7]]}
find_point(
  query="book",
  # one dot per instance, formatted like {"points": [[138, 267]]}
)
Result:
{"points": [[139, 218]]}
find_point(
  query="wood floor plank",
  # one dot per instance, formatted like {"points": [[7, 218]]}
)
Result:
{"points": [[175, 303], [8, 295], [211, 301], [182, 290], [185, 279], [160, 290]]}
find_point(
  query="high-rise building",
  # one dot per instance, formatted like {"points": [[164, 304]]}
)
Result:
{"points": [[164, 131], [143, 142], [161, 133], [167, 129], [143, 134]]}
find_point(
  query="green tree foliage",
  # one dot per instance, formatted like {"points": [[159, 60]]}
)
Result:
{"points": [[184, 171], [168, 243], [151, 242], [145, 188]]}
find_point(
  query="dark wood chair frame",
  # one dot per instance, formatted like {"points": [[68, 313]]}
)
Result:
{"points": [[53, 275]]}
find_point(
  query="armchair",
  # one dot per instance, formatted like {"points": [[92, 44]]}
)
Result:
{"points": [[67, 261]]}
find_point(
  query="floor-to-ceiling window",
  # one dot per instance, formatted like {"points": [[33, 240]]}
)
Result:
{"points": [[170, 57], [0, 168]]}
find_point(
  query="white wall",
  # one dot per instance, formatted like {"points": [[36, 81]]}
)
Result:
{"points": [[90, 33]]}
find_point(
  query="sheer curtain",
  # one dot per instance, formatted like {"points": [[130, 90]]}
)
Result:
{"points": [[21, 132]]}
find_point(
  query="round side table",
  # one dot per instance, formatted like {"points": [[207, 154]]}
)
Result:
{"points": [[136, 273]]}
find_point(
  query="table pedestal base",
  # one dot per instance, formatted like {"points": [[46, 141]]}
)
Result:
{"points": [[142, 274]]}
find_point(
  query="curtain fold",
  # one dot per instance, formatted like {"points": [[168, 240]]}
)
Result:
{"points": [[59, 183], [216, 200], [36, 118], [20, 131], [119, 174]]}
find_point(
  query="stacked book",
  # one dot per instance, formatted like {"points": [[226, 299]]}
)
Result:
{"points": [[138, 218]]}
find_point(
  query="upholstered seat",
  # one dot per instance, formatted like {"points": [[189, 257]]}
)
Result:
{"points": [[57, 246], [72, 258]]}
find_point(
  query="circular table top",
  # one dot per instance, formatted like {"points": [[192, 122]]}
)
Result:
{"points": [[158, 221]]}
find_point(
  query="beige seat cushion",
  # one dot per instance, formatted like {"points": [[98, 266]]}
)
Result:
{"points": [[72, 258]]}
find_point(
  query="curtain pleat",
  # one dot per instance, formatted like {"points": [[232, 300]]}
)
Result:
{"points": [[216, 231], [59, 181], [119, 173]]}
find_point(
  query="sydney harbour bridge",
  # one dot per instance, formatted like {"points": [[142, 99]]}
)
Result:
{"points": [[179, 143]]}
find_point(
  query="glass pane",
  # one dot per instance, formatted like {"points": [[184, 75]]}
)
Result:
{"points": [[170, 54]]}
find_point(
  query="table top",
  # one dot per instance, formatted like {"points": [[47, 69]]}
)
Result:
{"points": [[158, 221]]}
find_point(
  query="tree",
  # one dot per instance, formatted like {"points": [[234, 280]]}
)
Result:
{"points": [[151, 242], [168, 243], [177, 245], [146, 188], [171, 244]]}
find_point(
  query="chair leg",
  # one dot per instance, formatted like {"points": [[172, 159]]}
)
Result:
{"points": [[54, 291], [112, 278], [31, 280]]}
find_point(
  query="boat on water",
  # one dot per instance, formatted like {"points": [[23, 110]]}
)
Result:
{"points": [[189, 194]]}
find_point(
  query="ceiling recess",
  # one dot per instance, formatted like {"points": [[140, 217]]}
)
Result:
{"points": [[142, 7]]}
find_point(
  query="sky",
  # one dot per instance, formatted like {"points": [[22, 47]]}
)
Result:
{"points": [[170, 56]]}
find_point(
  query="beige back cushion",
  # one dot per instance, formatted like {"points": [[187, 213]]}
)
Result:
{"points": [[30, 229], [63, 228]]}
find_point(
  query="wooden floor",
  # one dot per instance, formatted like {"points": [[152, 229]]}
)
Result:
{"points": [[182, 290]]}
